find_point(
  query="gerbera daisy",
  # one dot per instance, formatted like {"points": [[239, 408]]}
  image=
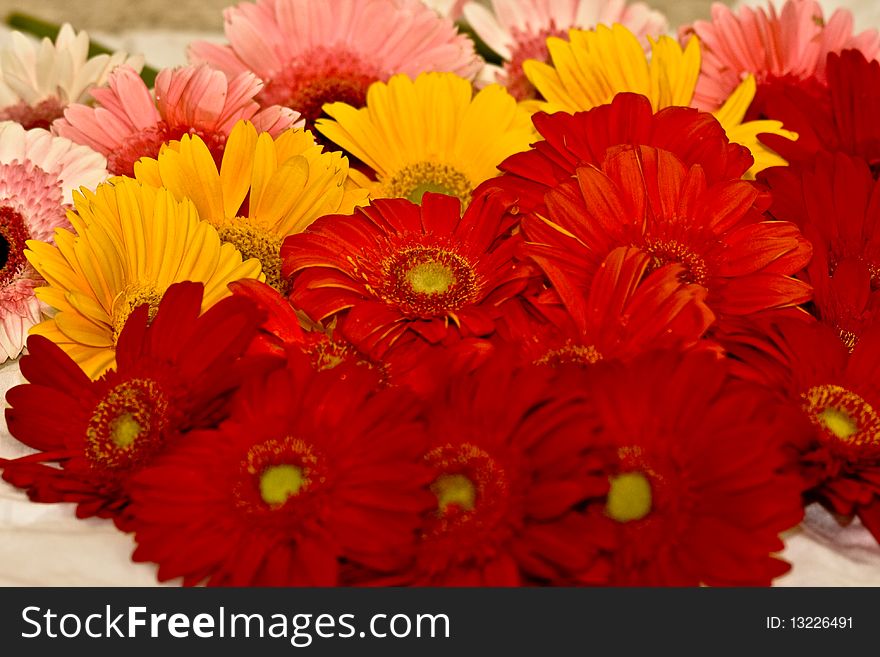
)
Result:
{"points": [[513, 453], [172, 375], [786, 47], [312, 468], [830, 395], [310, 53], [593, 66], [131, 243], [398, 269], [129, 123], [263, 191], [624, 311], [37, 83], [648, 198], [586, 138], [430, 135], [37, 173], [843, 118], [517, 30], [695, 497], [836, 203]]}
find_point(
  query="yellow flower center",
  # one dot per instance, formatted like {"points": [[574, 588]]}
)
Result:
{"points": [[629, 497], [430, 277], [134, 295], [124, 430], [847, 421], [663, 252], [578, 354], [128, 424], [255, 242], [454, 489], [428, 281], [413, 181], [278, 483]]}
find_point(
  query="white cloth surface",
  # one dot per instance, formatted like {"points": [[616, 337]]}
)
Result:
{"points": [[45, 545]]}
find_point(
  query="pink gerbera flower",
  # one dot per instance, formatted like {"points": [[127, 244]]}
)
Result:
{"points": [[310, 53], [518, 30], [130, 123], [37, 175], [789, 46]]}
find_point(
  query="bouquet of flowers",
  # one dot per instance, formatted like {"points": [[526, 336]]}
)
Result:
{"points": [[526, 292]]}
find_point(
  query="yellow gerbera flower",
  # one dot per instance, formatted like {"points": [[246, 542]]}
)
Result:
{"points": [[131, 242], [287, 182], [595, 65], [431, 134]]}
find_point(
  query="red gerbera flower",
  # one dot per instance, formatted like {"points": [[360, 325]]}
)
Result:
{"points": [[312, 468], [625, 311], [698, 495], [831, 397], [843, 118], [836, 203], [398, 269], [512, 454], [587, 138], [648, 198], [173, 375]]}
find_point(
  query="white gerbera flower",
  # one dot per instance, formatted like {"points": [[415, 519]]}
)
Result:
{"points": [[37, 81], [38, 173]]}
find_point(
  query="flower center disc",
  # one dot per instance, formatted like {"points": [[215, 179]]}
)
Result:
{"points": [[40, 115], [278, 483], [260, 245], [127, 425], [629, 497], [323, 75], [570, 354], [664, 252], [13, 238], [454, 489], [133, 296], [428, 281], [414, 181], [847, 422]]}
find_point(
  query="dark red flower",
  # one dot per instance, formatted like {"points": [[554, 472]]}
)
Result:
{"points": [[173, 374], [588, 138], [513, 454], [648, 198], [836, 202], [699, 494], [397, 269], [844, 118], [312, 469], [625, 311], [830, 396]]}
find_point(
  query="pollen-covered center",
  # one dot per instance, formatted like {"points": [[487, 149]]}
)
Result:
{"points": [[413, 181], [127, 425], [846, 421], [428, 281], [664, 252], [134, 295], [320, 76], [276, 472], [254, 242], [278, 483], [29, 116], [570, 354], [629, 497], [471, 487], [454, 489], [13, 236]]}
